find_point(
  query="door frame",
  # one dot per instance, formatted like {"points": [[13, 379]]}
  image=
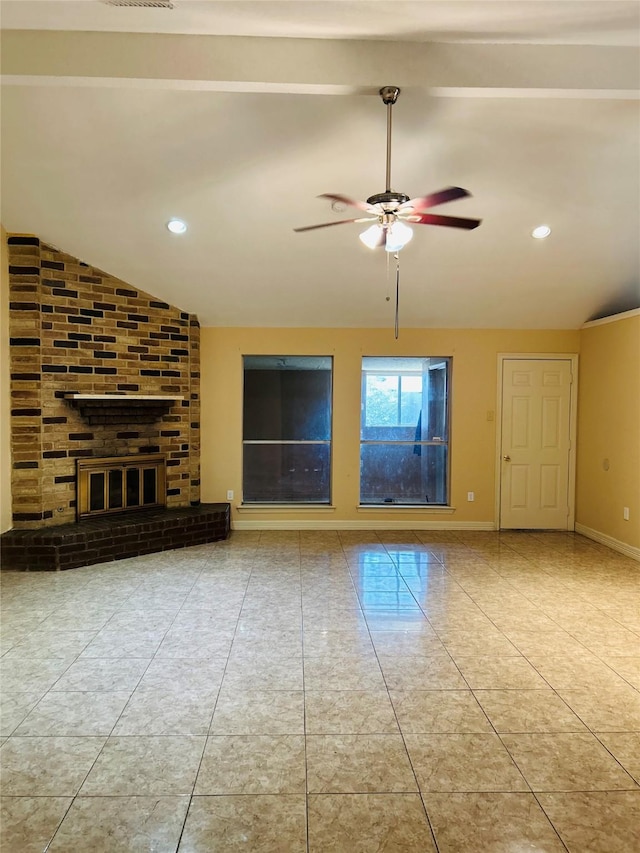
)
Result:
{"points": [[573, 426]]}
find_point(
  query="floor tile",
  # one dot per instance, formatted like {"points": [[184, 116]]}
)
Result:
{"points": [[167, 712], [358, 764], [52, 644], [566, 762], [259, 712], [46, 766], [191, 675], [397, 643], [362, 823], [225, 824], [14, 707], [627, 667], [438, 711], [145, 766], [625, 748], [614, 710], [463, 763], [20, 675], [121, 825], [573, 672], [499, 823], [428, 672], [528, 711], [495, 673], [277, 675], [27, 824], [98, 674], [469, 644], [349, 712], [590, 822], [123, 643], [253, 764], [320, 643], [195, 644], [74, 714], [343, 673]]}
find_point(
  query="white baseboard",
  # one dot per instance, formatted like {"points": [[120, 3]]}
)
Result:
{"points": [[371, 524], [609, 541]]}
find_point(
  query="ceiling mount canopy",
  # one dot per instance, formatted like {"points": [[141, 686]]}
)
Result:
{"points": [[390, 210]]}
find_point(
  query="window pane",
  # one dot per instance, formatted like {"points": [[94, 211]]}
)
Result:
{"points": [[410, 399], [288, 402], [283, 473], [287, 429], [381, 401], [403, 473], [404, 408]]}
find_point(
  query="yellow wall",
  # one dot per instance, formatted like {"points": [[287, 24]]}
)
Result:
{"points": [[609, 428], [5, 400], [473, 437]]}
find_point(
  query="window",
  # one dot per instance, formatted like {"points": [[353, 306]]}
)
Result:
{"points": [[404, 432], [287, 429]]}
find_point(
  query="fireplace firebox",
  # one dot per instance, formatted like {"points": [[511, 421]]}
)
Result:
{"points": [[113, 484]]}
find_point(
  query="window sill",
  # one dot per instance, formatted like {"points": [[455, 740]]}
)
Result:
{"points": [[446, 510], [285, 508]]}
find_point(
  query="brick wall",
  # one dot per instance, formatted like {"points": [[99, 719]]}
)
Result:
{"points": [[76, 329]]}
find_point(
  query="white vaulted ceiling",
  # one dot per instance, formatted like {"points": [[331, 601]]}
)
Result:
{"points": [[234, 116]]}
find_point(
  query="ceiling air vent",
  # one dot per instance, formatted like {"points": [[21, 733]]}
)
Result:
{"points": [[148, 4]]}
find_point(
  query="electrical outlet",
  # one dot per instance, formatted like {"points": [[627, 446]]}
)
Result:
{"points": [[471, 496], [230, 495], [625, 513]]}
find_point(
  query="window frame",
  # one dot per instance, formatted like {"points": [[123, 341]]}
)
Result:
{"points": [[289, 442], [409, 438]]}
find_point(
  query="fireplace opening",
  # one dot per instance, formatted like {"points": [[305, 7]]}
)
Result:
{"points": [[113, 484]]}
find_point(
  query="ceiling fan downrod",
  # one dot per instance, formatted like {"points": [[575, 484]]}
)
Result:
{"points": [[389, 95]]}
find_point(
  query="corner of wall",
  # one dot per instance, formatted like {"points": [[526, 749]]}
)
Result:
{"points": [[608, 459], [5, 419]]}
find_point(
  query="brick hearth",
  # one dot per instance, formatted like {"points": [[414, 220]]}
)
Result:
{"points": [[68, 546]]}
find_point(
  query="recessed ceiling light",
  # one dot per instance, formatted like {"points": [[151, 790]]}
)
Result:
{"points": [[541, 232], [177, 226]]}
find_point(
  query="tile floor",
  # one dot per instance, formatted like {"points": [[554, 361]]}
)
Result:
{"points": [[326, 692]]}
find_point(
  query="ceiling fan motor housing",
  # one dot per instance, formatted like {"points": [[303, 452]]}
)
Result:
{"points": [[390, 200]]}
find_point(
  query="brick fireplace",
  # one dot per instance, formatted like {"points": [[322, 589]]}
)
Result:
{"points": [[77, 330], [98, 369]]}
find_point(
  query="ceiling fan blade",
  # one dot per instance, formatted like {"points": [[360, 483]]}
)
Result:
{"points": [[435, 219], [343, 199], [433, 199], [337, 222]]}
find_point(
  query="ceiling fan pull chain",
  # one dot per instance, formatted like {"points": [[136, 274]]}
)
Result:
{"points": [[397, 257]]}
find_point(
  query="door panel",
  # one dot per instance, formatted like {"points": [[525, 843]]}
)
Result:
{"points": [[536, 407]]}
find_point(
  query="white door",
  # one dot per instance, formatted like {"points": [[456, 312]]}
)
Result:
{"points": [[535, 445]]}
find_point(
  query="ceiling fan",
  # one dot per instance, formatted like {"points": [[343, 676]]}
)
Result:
{"points": [[390, 210]]}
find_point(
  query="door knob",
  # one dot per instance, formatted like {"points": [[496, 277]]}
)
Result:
{"points": [[507, 458]]}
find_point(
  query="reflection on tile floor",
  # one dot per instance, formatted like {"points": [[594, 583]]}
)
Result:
{"points": [[325, 692]]}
